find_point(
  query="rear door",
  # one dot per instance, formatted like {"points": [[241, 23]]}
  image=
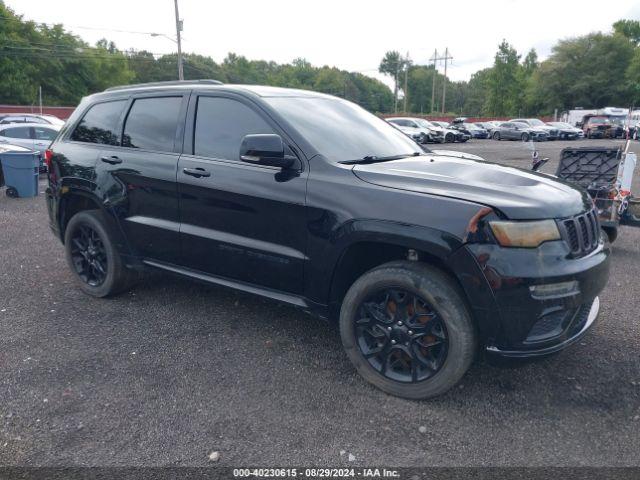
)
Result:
{"points": [[239, 220], [138, 175], [508, 130]]}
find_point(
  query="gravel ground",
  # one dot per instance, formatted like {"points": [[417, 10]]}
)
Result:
{"points": [[174, 370]]}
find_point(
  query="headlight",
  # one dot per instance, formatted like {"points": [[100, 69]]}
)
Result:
{"points": [[524, 234]]}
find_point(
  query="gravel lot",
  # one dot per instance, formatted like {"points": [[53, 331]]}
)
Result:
{"points": [[174, 370]]}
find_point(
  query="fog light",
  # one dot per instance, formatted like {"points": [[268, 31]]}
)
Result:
{"points": [[554, 290]]}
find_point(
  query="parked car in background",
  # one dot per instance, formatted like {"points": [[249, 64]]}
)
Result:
{"points": [[552, 132], [34, 136], [519, 131], [415, 129], [6, 118], [475, 131], [441, 124], [438, 133], [414, 133], [451, 134], [598, 126], [619, 125], [490, 126], [566, 131]]}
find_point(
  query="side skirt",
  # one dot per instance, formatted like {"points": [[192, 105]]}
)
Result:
{"points": [[295, 300]]}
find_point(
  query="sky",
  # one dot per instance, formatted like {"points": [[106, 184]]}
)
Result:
{"points": [[349, 34]]}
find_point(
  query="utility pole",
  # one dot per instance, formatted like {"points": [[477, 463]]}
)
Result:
{"points": [[433, 85], [395, 89], [444, 85], [178, 30], [40, 98], [406, 74]]}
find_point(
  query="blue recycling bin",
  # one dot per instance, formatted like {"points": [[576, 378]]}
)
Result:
{"points": [[20, 167]]}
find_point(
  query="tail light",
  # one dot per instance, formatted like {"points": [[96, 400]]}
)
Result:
{"points": [[48, 156]]}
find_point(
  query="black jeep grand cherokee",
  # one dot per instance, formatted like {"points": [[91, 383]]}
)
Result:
{"points": [[310, 200]]}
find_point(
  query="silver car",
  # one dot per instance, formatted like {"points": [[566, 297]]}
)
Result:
{"points": [[34, 136], [6, 118]]}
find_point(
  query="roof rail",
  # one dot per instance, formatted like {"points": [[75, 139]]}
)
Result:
{"points": [[165, 84]]}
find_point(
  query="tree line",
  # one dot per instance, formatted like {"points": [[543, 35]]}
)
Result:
{"points": [[590, 71], [594, 70]]}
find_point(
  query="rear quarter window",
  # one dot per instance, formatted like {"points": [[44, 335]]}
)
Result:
{"points": [[100, 123]]}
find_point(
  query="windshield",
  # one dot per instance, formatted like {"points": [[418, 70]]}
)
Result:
{"points": [[536, 123], [470, 126], [599, 120], [341, 130], [425, 123]]}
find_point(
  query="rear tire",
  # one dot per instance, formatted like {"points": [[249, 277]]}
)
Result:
{"points": [[438, 323], [93, 258]]}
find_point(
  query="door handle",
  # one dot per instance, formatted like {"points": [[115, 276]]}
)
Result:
{"points": [[196, 172], [113, 160]]}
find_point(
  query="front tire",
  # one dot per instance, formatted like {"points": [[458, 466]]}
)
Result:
{"points": [[612, 233], [406, 329], [449, 138], [92, 256], [525, 137], [496, 136]]}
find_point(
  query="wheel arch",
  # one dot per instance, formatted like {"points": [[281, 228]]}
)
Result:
{"points": [[75, 200], [382, 244]]}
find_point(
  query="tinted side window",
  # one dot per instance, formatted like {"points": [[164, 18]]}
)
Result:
{"points": [[18, 132], [44, 133], [221, 123], [151, 123], [99, 124]]}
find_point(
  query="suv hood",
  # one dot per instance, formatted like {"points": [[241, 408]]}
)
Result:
{"points": [[519, 194]]}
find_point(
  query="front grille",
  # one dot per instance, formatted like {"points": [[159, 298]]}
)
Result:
{"points": [[553, 133], [582, 232]]}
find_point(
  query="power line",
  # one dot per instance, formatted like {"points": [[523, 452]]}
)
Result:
{"points": [[82, 27]]}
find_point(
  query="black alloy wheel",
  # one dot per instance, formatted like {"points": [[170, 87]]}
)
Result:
{"points": [[401, 335], [525, 137], [89, 255]]}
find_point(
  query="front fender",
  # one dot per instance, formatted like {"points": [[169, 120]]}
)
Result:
{"points": [[325, 258]]}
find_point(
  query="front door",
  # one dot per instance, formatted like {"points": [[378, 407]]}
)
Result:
{"points": [[240, 221]]}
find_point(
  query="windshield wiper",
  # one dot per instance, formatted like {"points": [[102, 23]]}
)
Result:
{"points": [[374, 159]]}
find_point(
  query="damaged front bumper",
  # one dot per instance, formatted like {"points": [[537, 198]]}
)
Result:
{"points": [[543, 299]]}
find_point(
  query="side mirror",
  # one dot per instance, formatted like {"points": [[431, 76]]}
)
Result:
{"points": [[265, 149]]}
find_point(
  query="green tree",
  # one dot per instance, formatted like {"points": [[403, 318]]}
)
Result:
{"points": [[393, 64], [629, 29], [588, 71], [503, 82]]}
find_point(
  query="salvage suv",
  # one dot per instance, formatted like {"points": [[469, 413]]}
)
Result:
{"points": [[423, 258]]}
